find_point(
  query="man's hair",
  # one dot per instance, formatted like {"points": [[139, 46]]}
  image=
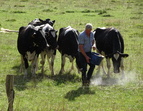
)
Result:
{"points": [[88, 26]]}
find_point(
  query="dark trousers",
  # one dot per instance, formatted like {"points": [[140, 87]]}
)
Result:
{"points": [[86, 75]]}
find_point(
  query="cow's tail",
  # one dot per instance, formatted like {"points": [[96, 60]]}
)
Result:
{"points": [[78, 62]]}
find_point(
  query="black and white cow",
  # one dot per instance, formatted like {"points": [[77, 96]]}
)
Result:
{"points": [[110, 43], [30, 43], [51, 37], [68, 45]]}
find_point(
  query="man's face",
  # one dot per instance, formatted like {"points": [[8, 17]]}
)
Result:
{"points": [[88, 31]]}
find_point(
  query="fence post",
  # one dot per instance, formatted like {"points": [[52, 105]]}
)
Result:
{"points": [[10, 91]]}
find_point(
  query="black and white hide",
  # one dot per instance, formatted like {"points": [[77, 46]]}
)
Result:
{"points": [[39, 22], [50, 51], [110, 43], [68, 45], [30, 44]]}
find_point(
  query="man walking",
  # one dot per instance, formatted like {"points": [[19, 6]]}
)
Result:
{"points": [[86, 42]]}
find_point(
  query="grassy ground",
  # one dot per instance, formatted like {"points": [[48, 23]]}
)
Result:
{"points": [[64, 92]]}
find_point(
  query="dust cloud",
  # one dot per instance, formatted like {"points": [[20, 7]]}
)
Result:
{"points": [[115, 79]]}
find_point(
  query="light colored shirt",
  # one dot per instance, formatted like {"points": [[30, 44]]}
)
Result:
{"points": [[86, 41]]}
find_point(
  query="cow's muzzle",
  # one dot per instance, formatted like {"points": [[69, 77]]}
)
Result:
{"points": [[116, 70]]}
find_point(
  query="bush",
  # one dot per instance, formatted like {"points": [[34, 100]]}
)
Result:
{"points": [[69, 11], [47, 10], [10, 20], [102, 12], [86, 11], [18, 11], [24, 0]]}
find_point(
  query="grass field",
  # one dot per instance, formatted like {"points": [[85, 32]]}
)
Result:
{"points": [[64, 92]]}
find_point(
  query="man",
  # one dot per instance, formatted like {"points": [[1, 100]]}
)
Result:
{"points": [[86, 42]]}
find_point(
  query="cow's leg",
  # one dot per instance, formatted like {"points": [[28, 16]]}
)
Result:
{"points": [[51, 63], [26, 67], [21, 65], [101, 66], [122, 69], [108, 66], [36, 68], [62, 64], [33, 66], [72, 66], [42, 62], [98, 70]]}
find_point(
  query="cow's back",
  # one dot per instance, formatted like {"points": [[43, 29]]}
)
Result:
{"points": [[67, 42], [24, 41], [21, 41], [109, 40]]}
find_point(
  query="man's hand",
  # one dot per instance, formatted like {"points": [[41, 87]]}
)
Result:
{"points": [[84, 54], [87, 59], [93, 47]]}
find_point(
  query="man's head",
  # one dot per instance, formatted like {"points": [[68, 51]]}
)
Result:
{"points": [[88, 28]]}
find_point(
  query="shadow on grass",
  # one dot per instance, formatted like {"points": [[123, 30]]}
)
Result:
{"points": [[65, 78], [71, 95], [21, 83]]}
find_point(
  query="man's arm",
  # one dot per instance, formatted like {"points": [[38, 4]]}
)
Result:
{"points": [[84, 54], [93, 45]]}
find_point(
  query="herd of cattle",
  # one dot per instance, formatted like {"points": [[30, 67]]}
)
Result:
{"points": [[40, 38]]}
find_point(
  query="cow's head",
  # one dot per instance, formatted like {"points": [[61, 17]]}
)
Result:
{"points": [[36, 22], [51, 37], [39, 40], [117, 58], [49, 22]]}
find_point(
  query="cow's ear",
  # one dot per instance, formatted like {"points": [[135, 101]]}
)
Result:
{"points": [[53, 22], [124, 55], [40, 20], [47, 20]]}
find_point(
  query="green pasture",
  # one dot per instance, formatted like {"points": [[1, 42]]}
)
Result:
{"points": [[64, 92]]}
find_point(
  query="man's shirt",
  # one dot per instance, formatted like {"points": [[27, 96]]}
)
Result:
{"points": [[86, 41]]}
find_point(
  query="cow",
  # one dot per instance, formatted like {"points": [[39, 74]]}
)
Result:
{"points": [[110, 43], [39, 22], [30, 44], [51, 37], [68, 45]]}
